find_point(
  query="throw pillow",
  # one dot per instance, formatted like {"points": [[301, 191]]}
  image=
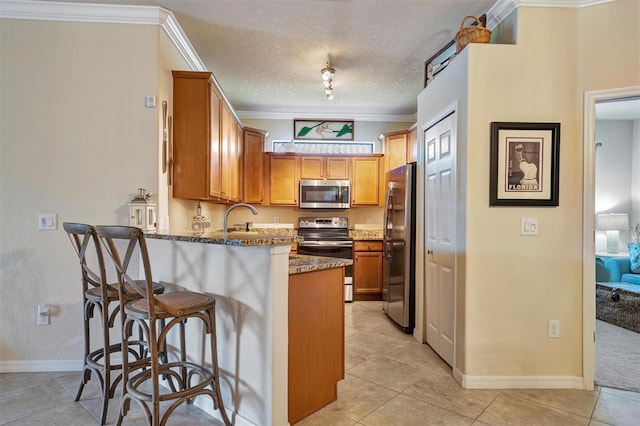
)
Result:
{"points": [[634, 257]]}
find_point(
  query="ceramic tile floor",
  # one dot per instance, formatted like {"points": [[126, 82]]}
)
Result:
{"points": [[390, 380]]}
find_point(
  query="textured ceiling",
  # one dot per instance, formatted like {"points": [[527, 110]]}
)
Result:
{"points": [[267, 54]]}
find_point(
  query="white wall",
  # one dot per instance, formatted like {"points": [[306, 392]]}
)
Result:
{"points": [[614, 170], [75, 140], [635, 175]]}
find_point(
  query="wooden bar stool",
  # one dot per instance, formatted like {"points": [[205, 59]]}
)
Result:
{"points": [[185, 379], [98, 294]]}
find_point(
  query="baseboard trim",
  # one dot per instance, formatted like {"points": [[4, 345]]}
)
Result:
{"points": [[39, 366], [518, 382]]}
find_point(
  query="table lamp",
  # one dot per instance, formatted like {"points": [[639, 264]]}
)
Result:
{"points": [[612, 223]]}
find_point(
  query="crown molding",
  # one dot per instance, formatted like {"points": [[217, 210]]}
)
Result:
{"points": [[80, 12], [502, 8]]}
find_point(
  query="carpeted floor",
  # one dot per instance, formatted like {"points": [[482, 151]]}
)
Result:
{"points": [[617, 357]]}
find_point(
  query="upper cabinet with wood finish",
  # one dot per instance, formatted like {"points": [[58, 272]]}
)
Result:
{"points": [[412, 144], [324, 167], [195, 133], [207, 141], [395, 149], [400, 147], [283, 178], [252, 165], [365, 181]]}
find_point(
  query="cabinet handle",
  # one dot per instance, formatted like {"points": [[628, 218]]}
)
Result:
{"points": [[429, 251]]}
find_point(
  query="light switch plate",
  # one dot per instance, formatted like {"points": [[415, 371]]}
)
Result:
{"points": [[528, 226], [47, 222]]}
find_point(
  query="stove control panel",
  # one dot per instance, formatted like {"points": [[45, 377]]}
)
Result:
{"points": [[324, 222]]}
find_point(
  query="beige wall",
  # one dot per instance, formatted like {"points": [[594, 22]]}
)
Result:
{"points": [[75, 140], [509, 285]]}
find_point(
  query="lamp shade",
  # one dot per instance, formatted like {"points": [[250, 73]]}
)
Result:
{"points": [[612, 222]]}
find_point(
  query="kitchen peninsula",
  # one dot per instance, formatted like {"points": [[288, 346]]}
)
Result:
{"points": [[270, 310]]}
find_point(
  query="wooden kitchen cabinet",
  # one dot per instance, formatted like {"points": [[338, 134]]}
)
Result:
{"points": [[195, 134], [323, 167], [365, 181], [230, 156], [367, 270], [283, 179], [395, 149], [412, 144], [207, 147], [252, 166], [316, 340]]}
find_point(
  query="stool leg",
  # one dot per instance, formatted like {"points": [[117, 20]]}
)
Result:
{"points": [[86, 372], [106, 353]]}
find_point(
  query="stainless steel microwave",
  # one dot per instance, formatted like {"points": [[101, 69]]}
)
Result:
{"points": [[325, 194]]}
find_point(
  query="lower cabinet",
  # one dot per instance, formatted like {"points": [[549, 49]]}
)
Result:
{"points": [[367, 270], [316, 340]]}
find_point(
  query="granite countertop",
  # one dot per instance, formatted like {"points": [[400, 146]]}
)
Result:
{"points": [[299, 263], [274, 237], [366, 234]]}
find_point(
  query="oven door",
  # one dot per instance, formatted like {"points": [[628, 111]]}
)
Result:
{"points": [[340, 249]]}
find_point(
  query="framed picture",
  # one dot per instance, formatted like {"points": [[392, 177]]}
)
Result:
{"points": [[524, 164], [438, 62], [323, 130], [443, 57]]}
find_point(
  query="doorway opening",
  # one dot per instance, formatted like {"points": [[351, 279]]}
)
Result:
{"points": [[611, 130]]}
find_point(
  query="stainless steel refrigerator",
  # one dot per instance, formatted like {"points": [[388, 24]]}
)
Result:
{"points": [[398, 284]]}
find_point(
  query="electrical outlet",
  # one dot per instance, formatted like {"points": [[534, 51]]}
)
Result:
{"points": [[554, 328], [43, 315], [276, 219]]}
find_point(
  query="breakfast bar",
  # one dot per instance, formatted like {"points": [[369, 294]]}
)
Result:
{"points": [[249, 275]]}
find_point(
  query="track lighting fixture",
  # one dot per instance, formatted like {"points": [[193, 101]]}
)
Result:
{"points": [[327, 79]]}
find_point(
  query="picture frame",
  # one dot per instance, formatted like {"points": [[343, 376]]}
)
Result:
{"points": [[438, 62], [337, 130], [443, 57], [525, 160]]}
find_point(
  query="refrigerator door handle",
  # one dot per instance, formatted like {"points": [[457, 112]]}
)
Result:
{"points": [[387, 220]]}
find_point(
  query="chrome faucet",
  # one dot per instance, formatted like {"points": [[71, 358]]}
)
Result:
{"points": [[226, 215]]}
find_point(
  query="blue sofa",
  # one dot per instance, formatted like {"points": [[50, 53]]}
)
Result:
{"points": [[619, 269]]}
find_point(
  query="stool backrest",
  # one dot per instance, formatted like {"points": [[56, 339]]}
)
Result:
{"points": [[131, 242], [85, 241]]}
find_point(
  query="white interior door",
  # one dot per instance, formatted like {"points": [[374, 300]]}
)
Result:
{"points": [[440, 228]]}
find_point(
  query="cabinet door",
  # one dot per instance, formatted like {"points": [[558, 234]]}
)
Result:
{"points": [[235, 166], [226, 154], [337, 168], [283, 180], [367, 272], [395, 149], [312, 168], [192, 111], [412, 144], [365, 182], [215, 165], [252, 165]]}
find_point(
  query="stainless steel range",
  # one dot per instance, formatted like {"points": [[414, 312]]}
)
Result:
{"points": [[329, 237]]}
